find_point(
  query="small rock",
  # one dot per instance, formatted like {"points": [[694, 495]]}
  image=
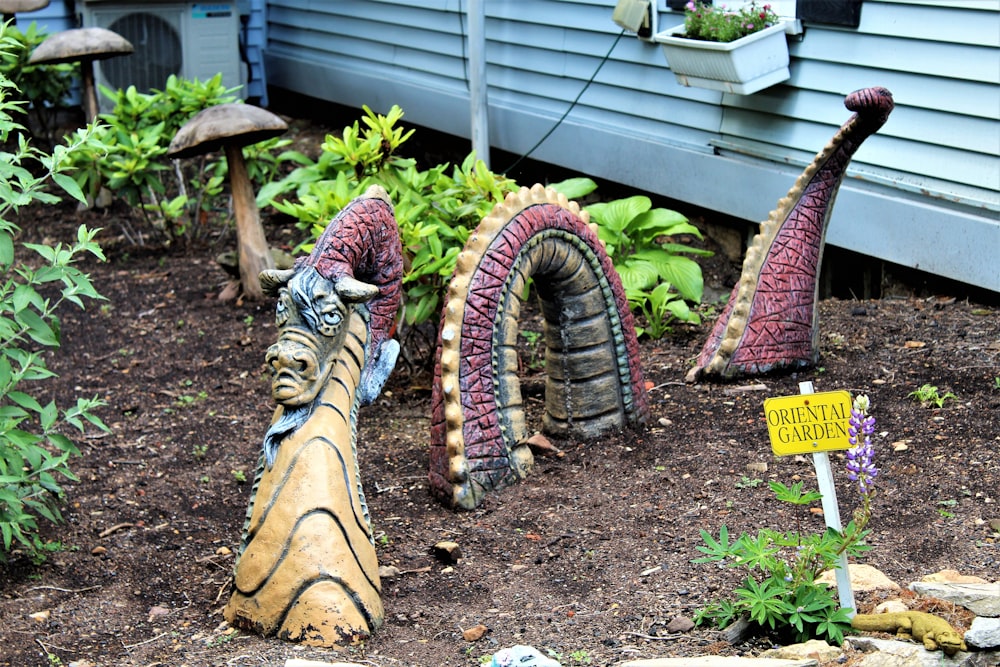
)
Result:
{"points": [[447, 552], [863, 578], [995, 525], [223, 551], [388, 572], [474, 633], [953, 577], [542, 446], [155, 612], [890, 606], [984, 633], [816, 649], [679, 624], [980, 599]]}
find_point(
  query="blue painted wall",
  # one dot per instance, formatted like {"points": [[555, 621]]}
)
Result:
{"points": [[922, 193]]}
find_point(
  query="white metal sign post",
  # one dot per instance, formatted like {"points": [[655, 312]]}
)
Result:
{"points": [[816, 429]]}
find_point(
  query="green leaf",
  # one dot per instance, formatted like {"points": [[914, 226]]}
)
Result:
{"points": [[6, 249], [575, 188], [70, 186]]}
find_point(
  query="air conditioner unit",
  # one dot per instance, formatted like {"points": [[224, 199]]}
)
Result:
{"points": [[194, 40]]}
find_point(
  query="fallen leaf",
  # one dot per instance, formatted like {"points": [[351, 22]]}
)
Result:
{"points": [[914, 344], [40, 616]]}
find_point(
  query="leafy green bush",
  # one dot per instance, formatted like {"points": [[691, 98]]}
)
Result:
{"points": [[658, 279], [781, 591], [43, 87], [34, 451], [436, 208], [127, 157]]}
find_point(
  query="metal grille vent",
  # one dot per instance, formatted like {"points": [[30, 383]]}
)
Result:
{"points": [[158, 52]]}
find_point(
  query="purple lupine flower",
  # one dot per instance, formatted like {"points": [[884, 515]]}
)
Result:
{"points": [[860, 458]]}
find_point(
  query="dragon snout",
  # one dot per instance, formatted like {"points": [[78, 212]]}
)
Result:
{"points": [[292, 358]]}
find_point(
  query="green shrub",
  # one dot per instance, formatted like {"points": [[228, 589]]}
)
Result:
{"points": [[44, 87], [34, 451], [659, 280], [127, 157], [436, 209]]}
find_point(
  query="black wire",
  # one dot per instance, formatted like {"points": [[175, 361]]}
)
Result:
{"points": [[570, 108]]}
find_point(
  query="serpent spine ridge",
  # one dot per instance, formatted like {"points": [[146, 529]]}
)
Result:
{"points": [[770, 321], [594, 381]]}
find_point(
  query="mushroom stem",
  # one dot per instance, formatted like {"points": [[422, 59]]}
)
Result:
{"points": [[89, 89], [254, 254]]}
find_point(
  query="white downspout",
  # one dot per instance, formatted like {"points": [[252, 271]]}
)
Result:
{"points": [[478, 92]]}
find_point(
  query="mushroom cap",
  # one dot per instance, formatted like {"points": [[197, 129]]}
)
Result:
{"points": [[14, 6], [70, 46], [233, 124]]}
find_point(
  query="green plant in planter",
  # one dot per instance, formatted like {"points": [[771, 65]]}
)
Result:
{"points": [[780, 592], [709, 23], [35, 280]]}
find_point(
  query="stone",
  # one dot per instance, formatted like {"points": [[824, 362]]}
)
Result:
{"points": [[475, 633], [679, 624], [984, 633], [816, 649], [388, 572], [447, 551], [864, 578], [890, 606], [952, 577], [892, 653], [980, 599], [719, 661]]}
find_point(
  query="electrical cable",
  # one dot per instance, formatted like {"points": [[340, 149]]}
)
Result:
{"points": [[570, 108]]}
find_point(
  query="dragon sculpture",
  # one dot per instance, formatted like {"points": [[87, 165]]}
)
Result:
{"points": [[593, 380], [307, 569], [770, 321]]}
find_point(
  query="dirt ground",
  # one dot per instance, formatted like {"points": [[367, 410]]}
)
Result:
{"points": [[588, 559]]}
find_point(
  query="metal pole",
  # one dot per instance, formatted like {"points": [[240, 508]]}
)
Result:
{"points": [[831, 512], [478, 92]]}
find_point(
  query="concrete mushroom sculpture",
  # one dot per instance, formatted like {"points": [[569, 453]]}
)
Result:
{"points": [[10, 7], [83, 45], [231, 127]]}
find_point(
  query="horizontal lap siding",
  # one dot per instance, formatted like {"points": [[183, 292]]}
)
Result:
{"points": [[942, 65], [636, 125]]}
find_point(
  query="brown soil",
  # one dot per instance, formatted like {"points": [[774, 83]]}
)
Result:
{"points": [[589, 558]]}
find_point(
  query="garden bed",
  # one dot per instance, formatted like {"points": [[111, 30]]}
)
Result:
{"points": [[589, 558]]}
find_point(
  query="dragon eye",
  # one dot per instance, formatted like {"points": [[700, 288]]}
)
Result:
{"points": [[331, 320], [281, 310]]}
